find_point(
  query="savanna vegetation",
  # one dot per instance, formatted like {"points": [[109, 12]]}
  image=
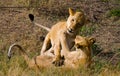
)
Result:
{"points": [[15, 26]]}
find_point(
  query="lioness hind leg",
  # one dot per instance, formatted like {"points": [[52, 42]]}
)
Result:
{"points": [[46, 45]]}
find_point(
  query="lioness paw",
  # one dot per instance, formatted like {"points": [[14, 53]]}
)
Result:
{"points": [[59, 62]]}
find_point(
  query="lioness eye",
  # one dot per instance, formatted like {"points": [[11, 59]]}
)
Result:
{"points": [[73, 20], [79, 46]]}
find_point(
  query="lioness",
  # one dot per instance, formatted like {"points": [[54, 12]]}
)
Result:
{"points": [[63, 33], [80, 57]]}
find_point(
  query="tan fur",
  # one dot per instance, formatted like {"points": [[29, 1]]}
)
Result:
{"points": [[63, 33], [80, 57], [36, 62]]}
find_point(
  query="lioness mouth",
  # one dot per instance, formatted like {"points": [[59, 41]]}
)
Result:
{"points": [[70, 31]]}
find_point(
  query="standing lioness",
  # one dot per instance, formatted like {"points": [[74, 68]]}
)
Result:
{"points": [[65, 33]]}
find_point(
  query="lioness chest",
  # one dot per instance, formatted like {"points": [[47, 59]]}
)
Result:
{"points": [[57, 30]]}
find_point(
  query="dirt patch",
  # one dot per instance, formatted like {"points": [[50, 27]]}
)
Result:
{"points": [[16, 27], [108, 36]]}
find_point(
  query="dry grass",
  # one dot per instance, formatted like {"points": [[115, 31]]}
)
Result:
{"points": [[17, 67]]}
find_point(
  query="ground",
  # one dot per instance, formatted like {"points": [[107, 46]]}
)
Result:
{"points": [[15, 25]]}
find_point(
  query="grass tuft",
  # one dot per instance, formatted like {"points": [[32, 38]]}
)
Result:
{"points": [[115, 12]]}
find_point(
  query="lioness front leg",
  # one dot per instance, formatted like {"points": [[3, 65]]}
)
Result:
{"points": [[64, 45], [61, 46], [58, 60]]}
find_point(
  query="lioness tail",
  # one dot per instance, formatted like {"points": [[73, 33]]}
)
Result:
{"points": [[21, 50], [31, 16]]}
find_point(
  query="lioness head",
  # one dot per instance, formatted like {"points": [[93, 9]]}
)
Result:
{"points": [[75, 20], [82, 56], [82, 42]]}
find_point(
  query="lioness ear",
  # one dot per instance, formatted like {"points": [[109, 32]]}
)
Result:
{"points": [[71, 12], [92, 40]]}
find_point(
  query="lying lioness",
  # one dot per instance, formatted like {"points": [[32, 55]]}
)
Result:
{"points": [[80, 57]]}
